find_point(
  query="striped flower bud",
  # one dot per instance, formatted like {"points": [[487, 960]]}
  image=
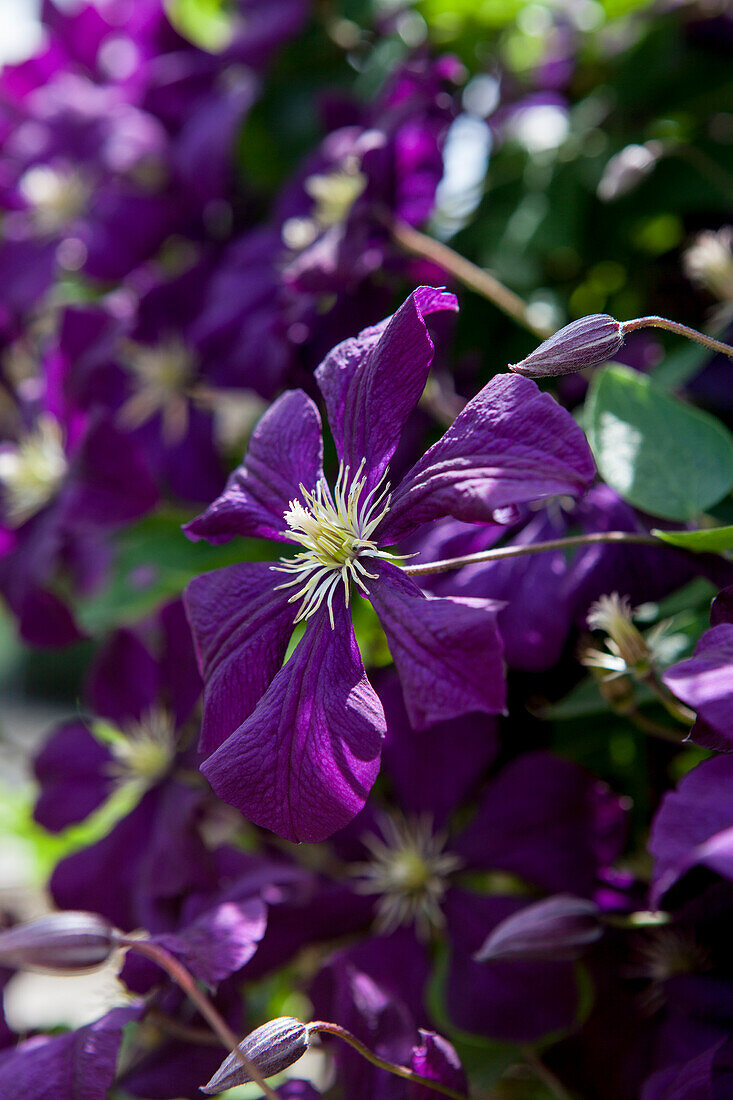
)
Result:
{"points": [[585, 343], [271, 1048], [559, 927], [69, 941]]}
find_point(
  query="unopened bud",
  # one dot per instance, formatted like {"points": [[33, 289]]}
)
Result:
{"points": [[585, 343], [61, 941], [271, 1048], [557, 928]]}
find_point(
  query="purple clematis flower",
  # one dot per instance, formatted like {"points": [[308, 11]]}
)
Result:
{"points": [[296, 748]]}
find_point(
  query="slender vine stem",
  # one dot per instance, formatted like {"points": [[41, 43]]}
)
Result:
{"points": [[392, 1067], [181, 976], [680, 330], [529, 548], [472, 276]]}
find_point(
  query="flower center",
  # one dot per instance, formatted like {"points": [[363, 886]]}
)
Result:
{"points": [[336, 533], [146, 749], [162, 376], [32, 471], [334, 194], [410, 870], [57, 196]]}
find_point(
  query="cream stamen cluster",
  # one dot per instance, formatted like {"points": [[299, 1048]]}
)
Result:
{"points": [[336, 532], [32, 471], [411, 870]]}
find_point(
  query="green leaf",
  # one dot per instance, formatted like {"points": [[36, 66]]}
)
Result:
{"points": [[658, 453], [714, 539]]}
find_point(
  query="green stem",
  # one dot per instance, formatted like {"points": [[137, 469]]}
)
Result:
{"points": [[472, 276], [529, 548], [391, 1067], [679, 330], [185, 981]]}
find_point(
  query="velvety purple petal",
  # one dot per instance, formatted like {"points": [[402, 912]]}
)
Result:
{"points": [[285, 451], [347, 992], [705, 683], [45, 620], [536, 619], [694, 826], [178, 667], [241, 627], [372, 382], [72, 769], [140, 874], [512, 1001], [548, 821], [436, 769], [108, 483], [221, 941], [511, 444], [76, 1064], [448, 652], [123, 681], [305, 760], [691, 1080]]}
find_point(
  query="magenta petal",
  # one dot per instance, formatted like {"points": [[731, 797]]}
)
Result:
{"points": [[511, 444], [305, 760], [448, 652], [285, 451], [371, 383], [241, 627]]}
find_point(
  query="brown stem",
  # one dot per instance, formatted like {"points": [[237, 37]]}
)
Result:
{"points": [[381, 1063], [175, 970], [530, 548], [472, 276], [680, 330]]}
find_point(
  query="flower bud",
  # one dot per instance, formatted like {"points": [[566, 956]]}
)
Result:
{"points": [[585, 343], [557, 928], [271, 1048], [61, 941]]}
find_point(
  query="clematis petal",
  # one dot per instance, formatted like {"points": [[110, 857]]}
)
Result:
{"points": [[693, 827], [285, 451], [510, 444], [123, 681], [448, 651], [241, 627], [78, 1063], [371, 383], [705, 683], [305, 760], [547, 820]]}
